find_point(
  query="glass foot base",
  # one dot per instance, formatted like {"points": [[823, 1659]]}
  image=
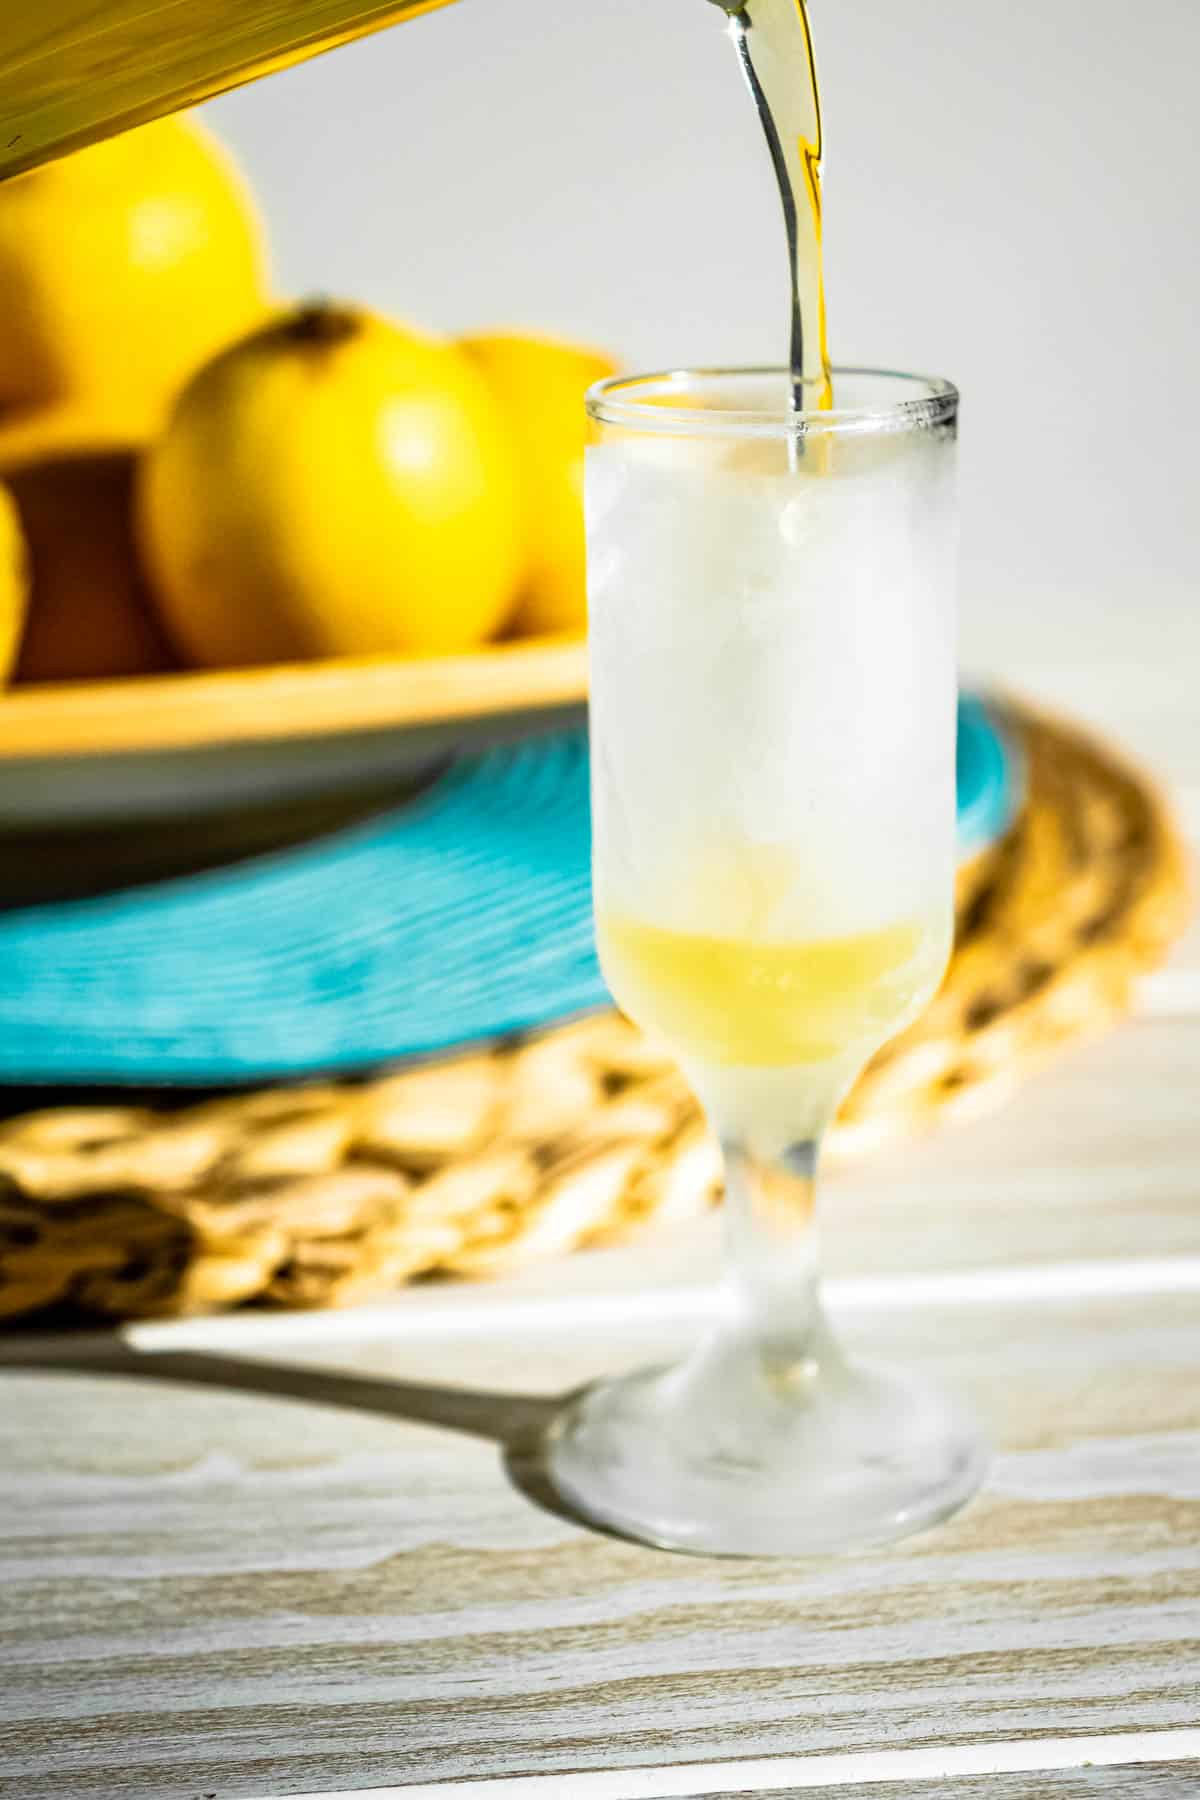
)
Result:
{"points": [[727, 1456]]}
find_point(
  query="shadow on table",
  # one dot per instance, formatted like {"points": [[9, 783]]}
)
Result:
{"points": [[516, 1422]]}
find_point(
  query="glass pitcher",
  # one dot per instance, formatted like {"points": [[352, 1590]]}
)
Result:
{"points": [[72, 71]]}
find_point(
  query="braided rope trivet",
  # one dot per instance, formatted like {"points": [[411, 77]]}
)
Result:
{"points": [[323, 1195]]}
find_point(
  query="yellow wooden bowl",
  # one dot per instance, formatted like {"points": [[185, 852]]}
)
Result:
{"points": [[82, 752]]}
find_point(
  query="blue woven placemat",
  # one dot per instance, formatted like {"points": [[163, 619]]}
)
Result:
{"points": [[463, 916]]}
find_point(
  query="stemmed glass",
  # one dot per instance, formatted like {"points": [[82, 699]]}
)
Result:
{"points": [[771, 596]]}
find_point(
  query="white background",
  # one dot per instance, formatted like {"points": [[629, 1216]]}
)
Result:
{"points": [[1012, 199]]}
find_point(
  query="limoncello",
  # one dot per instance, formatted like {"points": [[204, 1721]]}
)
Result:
{"points": [[774, 47], [758, 1003]]}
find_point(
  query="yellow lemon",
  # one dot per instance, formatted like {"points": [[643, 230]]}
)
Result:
{"points": [[90, 614], [122, 268], [540, 386], [331, 485], [13, 582]]}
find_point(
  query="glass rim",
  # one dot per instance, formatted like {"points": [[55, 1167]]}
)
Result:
{"points": [[936, 404]]}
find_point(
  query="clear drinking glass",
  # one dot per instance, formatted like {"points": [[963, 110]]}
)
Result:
{"points": [[772, 628]]}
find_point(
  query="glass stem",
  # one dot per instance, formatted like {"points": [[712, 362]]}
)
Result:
{"points": [[771, 1231]]}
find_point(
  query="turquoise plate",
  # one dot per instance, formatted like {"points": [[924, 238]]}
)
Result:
{"points": [[988, 778], [462, 916]]}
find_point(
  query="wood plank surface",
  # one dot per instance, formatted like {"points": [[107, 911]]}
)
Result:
{"points": [[1098, 1157], [243, 1594], [1128, 1781]]}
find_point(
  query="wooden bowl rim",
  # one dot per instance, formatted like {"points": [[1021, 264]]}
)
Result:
{"points": [[192, 709]]}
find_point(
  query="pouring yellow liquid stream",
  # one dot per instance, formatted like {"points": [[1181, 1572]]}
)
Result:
{"points": [[774, 47]]}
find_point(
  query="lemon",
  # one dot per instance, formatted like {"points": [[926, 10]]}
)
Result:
{"points": [[540, 387], [89, 615], [122, 267], [331, 485], [13, 582]]}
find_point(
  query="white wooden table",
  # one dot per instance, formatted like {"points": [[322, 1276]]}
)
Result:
{"points": [[276, 1556]]}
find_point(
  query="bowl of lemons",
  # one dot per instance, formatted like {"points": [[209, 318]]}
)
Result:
{"points": [[253, 550]]}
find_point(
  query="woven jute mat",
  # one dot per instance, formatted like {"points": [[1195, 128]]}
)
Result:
{"points": [[325, 1195]]}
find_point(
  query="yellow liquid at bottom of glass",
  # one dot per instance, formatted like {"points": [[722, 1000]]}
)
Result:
{"points": [[760, 1003]]}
